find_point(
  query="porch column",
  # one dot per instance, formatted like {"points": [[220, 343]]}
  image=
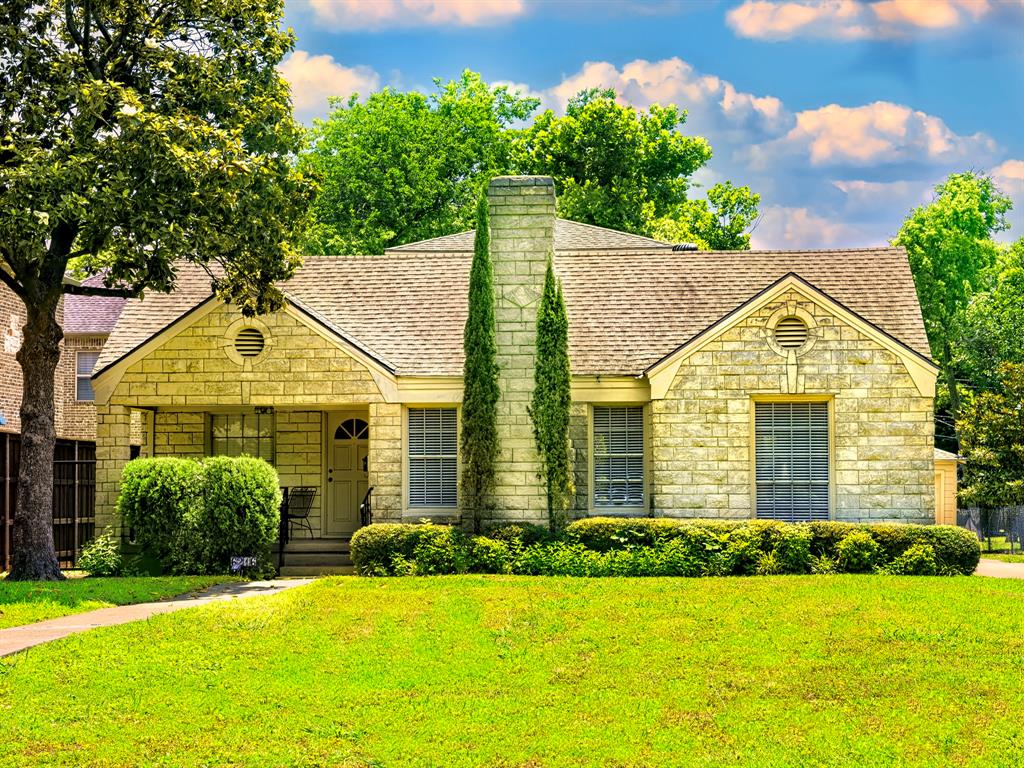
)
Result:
{"points": [[385, 461], [113, 441]]}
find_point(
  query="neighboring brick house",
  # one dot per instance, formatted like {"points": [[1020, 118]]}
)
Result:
{"points": [[790, 385]]}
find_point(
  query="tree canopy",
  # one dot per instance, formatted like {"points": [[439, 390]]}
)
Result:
{"points": [[951, 251], [404, 166], [133, 135]]}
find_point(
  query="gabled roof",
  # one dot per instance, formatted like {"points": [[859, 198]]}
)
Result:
{"points": [[92, 315], [627, 308], [569, 236]]}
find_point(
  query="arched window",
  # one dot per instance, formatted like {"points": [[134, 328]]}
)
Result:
{"points": [[352, 429]]}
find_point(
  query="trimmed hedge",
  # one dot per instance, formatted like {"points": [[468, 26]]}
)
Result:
{"points": [[667, 547], [193, 515]]}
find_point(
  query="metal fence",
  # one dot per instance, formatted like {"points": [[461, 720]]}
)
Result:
{"points": [[999, 528], [74, 497]]}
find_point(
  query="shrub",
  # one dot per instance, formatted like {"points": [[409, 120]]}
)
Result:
{"points": [[240, 514], [391, 549], [488, 555], [524, 534], [157, 498], [101, 556], [191, 516], [917, 560], [857, 552]]}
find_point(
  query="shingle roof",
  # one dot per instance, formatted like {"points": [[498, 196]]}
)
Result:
{"points": [[91, 314], [627, 310], [569, 236]]}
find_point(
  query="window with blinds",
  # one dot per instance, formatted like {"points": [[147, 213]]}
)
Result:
{"points": [[84, 363], [791, 457], [238, 434], [618, 450], [433, 457]]}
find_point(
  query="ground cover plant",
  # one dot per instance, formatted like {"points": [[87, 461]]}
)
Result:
{"points": [[605, 546], [25, 602], [515, 671]]}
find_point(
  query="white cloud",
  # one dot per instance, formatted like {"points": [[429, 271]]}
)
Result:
{"points": [[315, 78], [714, 104], [379, 14], [783, 227], [871, 135], [852, 19], [1009, 177]]}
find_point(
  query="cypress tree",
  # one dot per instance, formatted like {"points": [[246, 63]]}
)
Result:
{"points": [[552, 398], [480, 380]]}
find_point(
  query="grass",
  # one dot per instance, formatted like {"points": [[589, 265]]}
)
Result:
{"points": [[1006, 557], [25, 602], [518, 671]]}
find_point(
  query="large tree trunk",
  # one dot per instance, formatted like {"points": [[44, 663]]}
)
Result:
{"points": [[34, 558]]}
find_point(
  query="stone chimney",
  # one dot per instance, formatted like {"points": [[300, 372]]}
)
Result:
{"points": [[522, 217]]}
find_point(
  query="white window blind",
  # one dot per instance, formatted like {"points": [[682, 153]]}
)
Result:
{"points": [[433, 457], [791, 456], [237, 434], [618, 456], [84, 363]]}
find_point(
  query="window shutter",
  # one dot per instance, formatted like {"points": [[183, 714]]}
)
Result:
{"points": [[433, 457], [791, 461], [618, 453]]}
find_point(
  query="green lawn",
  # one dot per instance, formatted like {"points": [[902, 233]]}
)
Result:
{"points": [[1016, 557], [518, 671], [23, 602]]}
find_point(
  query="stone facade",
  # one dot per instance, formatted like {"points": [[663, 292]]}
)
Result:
{"points": [[882, 435], [522, 218]]}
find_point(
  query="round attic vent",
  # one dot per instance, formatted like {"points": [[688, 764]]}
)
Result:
{"points": [[249, 342], [791, 333]]}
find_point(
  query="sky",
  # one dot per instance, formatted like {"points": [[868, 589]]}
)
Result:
{"points": [[842, 114]]}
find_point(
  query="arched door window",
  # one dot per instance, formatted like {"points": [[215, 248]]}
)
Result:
{"points": [[352, 429]]}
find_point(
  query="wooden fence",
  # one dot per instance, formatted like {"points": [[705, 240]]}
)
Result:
{"points": [[74, 497]]}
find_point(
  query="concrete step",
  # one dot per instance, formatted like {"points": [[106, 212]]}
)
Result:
{"points": [[317, 545], [316, 570], [317, 558]]}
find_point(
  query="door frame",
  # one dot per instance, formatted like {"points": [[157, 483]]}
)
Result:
{"points": [[331, 419]]}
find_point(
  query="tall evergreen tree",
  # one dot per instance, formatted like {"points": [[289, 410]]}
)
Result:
{"points": [[552, 398], [480, 379]]}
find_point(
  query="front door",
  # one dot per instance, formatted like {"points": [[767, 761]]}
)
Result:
{"points": [[348, 447]]}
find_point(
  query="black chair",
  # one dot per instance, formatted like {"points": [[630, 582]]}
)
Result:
{"points": [[299, 503]]}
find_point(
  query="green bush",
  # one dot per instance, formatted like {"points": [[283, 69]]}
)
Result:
{"points": [[857, 552], [101, 556], [665, 547], [917, 560], [157, 499], [192, 516]]}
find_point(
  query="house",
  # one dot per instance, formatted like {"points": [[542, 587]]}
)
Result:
{"points": [[787, 385], [87, 322]]}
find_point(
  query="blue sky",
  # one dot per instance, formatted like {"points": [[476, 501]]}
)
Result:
{"points": [[843, 114]]}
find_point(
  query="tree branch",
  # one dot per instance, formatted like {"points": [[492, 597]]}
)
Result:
{"points": [[99, 290]]}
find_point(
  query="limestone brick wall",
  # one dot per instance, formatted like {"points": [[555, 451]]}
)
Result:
{"points": [[882, 437], [299, 455], [385, 461], [579, 438], [522, 219], [297, 367], [113, 432]]}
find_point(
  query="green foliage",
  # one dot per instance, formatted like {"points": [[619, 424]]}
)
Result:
{"points": [[480, 380], [667, 547], [857, 552], [917, 560], [239, 514], [400, 167], [951, 251], [613, 165], [158, 499], [101, 556], [991, 431], [552, 398], [993, 324], [718, 223], [192, 516]]}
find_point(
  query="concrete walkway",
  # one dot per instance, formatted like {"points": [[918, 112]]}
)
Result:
{"points": [[16, 639], [1000, 570]]}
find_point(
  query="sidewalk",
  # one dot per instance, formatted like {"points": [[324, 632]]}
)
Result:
{"points": [[16, 639], [999, 570]]}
